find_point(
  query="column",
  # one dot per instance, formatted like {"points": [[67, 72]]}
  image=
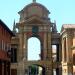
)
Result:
{"points": [[45, 46], [25, 47], [20, 51], [49, 51], [49, 70]]}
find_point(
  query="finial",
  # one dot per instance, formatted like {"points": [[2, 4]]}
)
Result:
{"points": [[55, 21], [54, 28], [14, 27], [34, 1]]}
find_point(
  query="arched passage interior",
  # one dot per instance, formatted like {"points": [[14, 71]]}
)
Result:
{"points": [[35, 69]]}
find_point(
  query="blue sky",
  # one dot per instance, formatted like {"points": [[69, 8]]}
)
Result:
{"points": [[34, 49], [63, 11]]}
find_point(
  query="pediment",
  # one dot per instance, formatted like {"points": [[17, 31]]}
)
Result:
{"points": [[35, 20], [67, 26]]}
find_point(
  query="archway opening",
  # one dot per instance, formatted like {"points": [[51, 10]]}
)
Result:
{"points": [[34, 48], [54, 53], [36, 70]]}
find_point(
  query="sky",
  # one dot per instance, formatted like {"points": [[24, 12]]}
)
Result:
{"points": [[34, 49], [62, 11]]}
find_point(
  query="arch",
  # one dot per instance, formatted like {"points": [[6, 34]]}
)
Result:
{"points": [[36, 69], [34, 48]]}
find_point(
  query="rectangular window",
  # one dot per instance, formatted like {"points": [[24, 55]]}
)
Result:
{"points": [[54, 52], [73, 59], [13, 55]]}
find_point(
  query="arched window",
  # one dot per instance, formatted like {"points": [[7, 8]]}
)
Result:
{"points": [[34, 48]]}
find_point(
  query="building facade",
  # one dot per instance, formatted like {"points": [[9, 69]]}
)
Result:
{"points": [[57, 49], [68, 49], [5, 47]]}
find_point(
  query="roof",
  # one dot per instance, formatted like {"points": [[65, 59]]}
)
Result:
{"points": [[5, 27], [35, 4], [68, 26]]}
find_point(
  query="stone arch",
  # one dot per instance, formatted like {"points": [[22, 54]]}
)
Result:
{"points": [[36, 69], [35, 44]]}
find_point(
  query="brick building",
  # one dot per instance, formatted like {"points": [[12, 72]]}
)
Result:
{"points": [[5, 39]]}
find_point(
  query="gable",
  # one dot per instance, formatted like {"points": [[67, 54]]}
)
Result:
{"points": [[36, 20]]}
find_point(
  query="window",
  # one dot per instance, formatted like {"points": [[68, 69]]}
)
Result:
{"points": [[73, 59], [13, 55], [54, 52], [35, 29]]}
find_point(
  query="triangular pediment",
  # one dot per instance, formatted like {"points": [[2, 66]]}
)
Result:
{"points": [[67, 26]]}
